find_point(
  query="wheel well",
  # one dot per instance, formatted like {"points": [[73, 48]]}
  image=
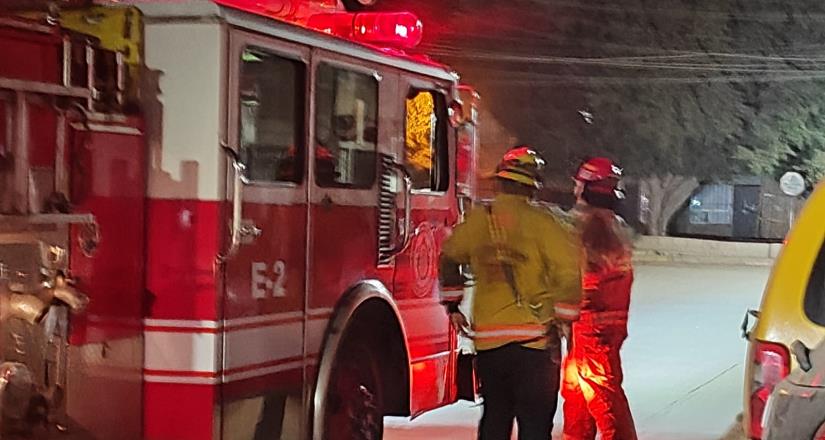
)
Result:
{"points": [[376, 323], [353, 5]]}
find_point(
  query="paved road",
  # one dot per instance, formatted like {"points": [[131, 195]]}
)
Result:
{"points": [[683, 360]]}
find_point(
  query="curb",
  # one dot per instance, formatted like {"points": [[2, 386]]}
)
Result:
{"points": [[677, 250], [648, 257]]}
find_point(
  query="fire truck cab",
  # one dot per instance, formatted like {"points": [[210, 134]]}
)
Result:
{"points": [[247, 197]]}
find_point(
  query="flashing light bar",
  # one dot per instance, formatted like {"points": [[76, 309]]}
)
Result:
{"points": [[395, 29]]}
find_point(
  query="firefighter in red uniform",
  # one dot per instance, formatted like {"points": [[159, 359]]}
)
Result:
{"points": [[592, 384]]}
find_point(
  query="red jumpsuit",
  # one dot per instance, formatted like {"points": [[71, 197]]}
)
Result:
{"points": [[592, 384]]}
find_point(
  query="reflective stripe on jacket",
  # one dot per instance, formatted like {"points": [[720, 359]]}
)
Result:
{"points": [[603, 319], [525, 333]]}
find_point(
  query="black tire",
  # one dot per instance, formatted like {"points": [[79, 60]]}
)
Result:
{"points": [[354, 404]]}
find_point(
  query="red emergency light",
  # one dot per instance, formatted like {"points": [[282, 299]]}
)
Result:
{"points": [[396, 29]]}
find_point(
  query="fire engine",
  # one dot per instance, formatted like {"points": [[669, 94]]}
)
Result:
{"points": [[221, 219]]}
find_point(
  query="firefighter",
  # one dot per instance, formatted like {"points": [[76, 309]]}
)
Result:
{"points": [[592, 384], [526, 267]]}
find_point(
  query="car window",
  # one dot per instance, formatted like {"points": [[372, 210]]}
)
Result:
{"points": [[815, 293]]}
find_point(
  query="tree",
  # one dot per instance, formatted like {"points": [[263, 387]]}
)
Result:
{"points": [[795, 143], [669, 131], [680, 91], [668, 142], [785, 127]]}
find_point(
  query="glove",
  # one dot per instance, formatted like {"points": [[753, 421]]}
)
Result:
{"points": [[460, 322]]}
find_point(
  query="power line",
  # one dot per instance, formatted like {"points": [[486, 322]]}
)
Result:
{"points": [[567, 80], [614, 63], [681, 13], [696, 54], [546, 36], [659, 52], [662, 55], [460, 51], [697, 78]]}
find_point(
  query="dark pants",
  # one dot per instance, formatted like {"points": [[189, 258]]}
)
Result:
{"points": [[518, 383]]}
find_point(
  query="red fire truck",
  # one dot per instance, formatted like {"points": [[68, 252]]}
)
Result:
{"points": [[222, 219]]}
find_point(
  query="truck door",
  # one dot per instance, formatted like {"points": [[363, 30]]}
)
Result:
{"points": [[265, 265], [428, 159], [344, 192]]}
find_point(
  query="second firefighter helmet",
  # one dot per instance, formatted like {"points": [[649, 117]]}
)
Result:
{"points": [[522, 165], [602, 181], [598, 169]]}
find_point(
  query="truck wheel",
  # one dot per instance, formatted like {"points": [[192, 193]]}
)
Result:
{"points": [[354, 407]]}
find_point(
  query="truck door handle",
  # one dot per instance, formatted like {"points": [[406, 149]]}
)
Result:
{"points": [[241, 231], [248, 231]]}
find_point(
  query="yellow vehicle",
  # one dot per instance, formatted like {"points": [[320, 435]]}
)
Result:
{"points": [[793, 308]]}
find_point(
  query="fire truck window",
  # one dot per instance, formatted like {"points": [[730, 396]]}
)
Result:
{"points": [[815, 294], [426, 140], [346, 129], [271, 116]]}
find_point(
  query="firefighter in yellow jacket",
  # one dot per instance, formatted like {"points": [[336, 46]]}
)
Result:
{"points": [[527, 271]]}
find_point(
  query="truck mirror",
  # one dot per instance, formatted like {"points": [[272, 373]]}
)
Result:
{"points": [[456, 113]]}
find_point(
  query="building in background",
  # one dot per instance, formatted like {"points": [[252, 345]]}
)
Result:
{"points": [[745, 208]]}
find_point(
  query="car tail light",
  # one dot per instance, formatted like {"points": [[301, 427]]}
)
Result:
{"points": [[771, 365]]}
